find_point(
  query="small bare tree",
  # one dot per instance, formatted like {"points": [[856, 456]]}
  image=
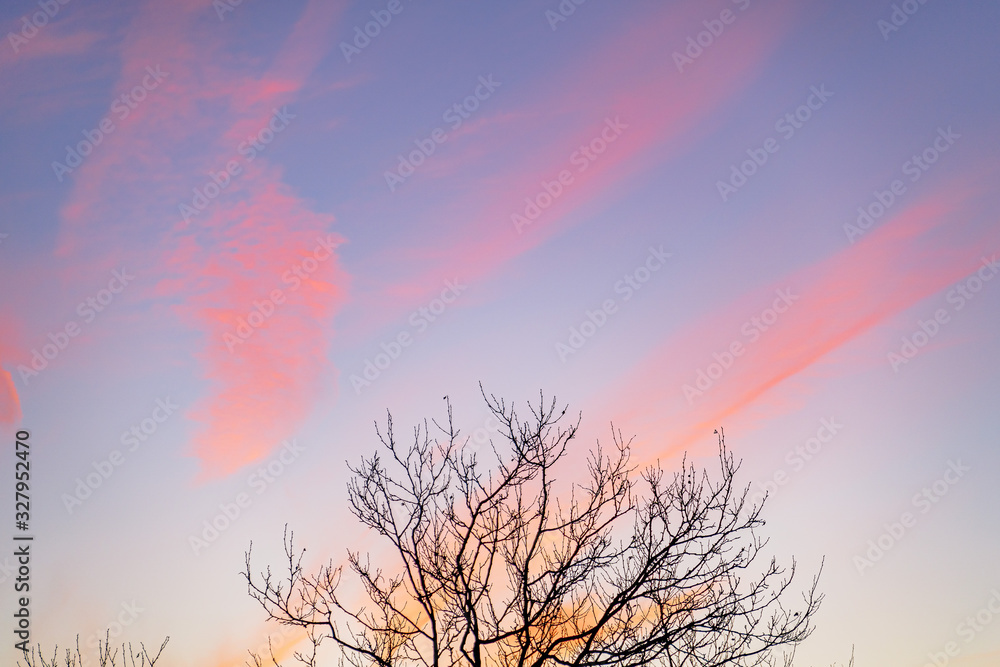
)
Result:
{"points": [[498, 568], [105, 656]]}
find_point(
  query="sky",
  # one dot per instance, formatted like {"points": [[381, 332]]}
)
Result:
{"points": [[233, 235]]}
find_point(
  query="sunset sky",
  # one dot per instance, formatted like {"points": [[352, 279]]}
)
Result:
{"points": [[234, 234]]}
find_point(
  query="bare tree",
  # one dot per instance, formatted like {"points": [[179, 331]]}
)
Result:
{"points": [[105, 656], [499, 568]]}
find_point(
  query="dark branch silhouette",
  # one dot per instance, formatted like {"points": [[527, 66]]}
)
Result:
{"points": [[105, 656], [499, 568]]}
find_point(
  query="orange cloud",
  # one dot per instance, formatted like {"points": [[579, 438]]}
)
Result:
{"points": [[280, 641], [978, 659]]}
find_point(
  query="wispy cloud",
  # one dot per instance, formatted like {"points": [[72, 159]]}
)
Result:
{"points": [[10, 402], [247, 240], [471, 225], [695, 382]]}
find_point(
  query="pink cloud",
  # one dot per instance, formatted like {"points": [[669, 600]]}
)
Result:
{"points": [[917, 254], [64, 35], [10, 402], [262, 292], [665, 112], [50, 43], [223, 262]]}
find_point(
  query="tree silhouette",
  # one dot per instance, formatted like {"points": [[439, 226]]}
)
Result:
{"points": [[499, 568], [105, 656]]}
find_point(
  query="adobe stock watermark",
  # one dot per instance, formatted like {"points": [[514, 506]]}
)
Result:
{"points": [[31, 25], [914, 168], [223, 7], [898, 17], [455, 116], [629, 284], [958, 296], [481, 435], [924, 501], [7, 569], [88, 310], [581, 158], [798, 457], [122, 107], [967, 630], [128, 615], [562, 12], [419, 320], [787, 125], [265, 308], [699, 43], [752, 329], [259, 481], [372, 29], [131, 439], [249, 149], [266, 647]]}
